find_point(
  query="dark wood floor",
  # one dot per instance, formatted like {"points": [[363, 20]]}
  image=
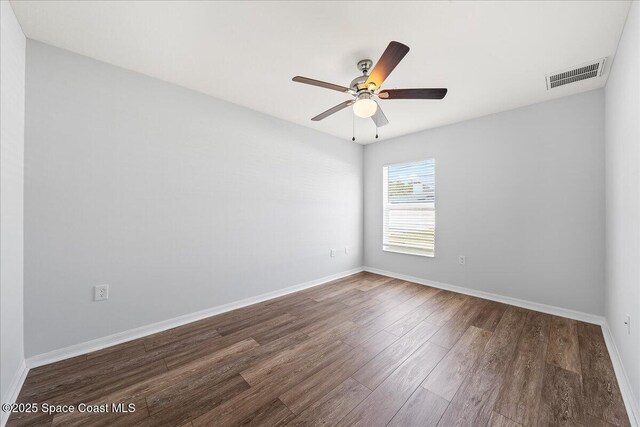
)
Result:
{"points": [[365, 350]]}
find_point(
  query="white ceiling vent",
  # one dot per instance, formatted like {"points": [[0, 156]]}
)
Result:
{"points": [[575, 74]]}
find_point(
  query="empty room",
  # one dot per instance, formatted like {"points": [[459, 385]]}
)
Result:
{"points": [[320, 213]]}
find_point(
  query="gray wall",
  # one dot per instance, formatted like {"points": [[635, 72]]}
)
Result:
{"points": [[622, 124], [180, 202], [12, 64], [519, 193]]}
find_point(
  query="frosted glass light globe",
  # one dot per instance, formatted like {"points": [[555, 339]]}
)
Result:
{"points": [[365, 107]]}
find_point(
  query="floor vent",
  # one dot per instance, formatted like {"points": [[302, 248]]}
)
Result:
{"points": [[581, 72]]}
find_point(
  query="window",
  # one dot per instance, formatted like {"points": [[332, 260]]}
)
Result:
{"points": [[409, 208]]}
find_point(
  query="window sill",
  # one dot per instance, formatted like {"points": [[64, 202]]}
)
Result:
{"points": [[408, 251]]}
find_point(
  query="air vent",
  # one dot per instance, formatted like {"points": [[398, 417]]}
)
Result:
{"points": [[575, 74]]}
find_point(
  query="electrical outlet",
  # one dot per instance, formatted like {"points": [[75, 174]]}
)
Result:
{"points": [[462, 260], [627, 321], [100, 292], [333, 253]]}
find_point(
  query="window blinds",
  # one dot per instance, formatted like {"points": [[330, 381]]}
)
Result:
{"points": [[409, 209]]}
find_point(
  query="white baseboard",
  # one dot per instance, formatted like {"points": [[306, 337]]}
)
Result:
{"points": [[623, 380], [14, 390], [121, 337], [544, 308]]}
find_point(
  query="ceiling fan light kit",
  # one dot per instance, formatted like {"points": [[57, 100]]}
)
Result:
{"points": [[365, 88], [365, 106]]}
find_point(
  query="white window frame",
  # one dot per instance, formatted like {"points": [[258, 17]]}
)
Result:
{"points": [[387, 206]]}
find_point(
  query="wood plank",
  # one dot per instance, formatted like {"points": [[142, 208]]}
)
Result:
{"points": [[474, 401], [370, 313], [453, 329], [362, 334], [325, 318], [446, 378], [596, 422], [303, 394], [193, 404], [392, 290], [99, 419], [373, 373], [498, 420], [200, 330], [602, 395], [55, 368], [192, 389], [369, 329], [188, 353], [562, 403], [287, 300], [267, 335], [177, 387], [451, 308], [85, 372], [283, 360], [109, 383], [238, 408], [126, 349], [339, 324], [20, 419], [358, 298], [178, 394], [317, 310], [334, 406], [391, 316], [411, 320], [490, 316], [383, 403], [563, 344], [273, 414], [230, 317], [198, 376], [423, 409], [519, 399], [373, 282], [342, 292]]}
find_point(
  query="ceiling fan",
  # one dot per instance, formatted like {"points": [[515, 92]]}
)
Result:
{"points": [[366, 88]]}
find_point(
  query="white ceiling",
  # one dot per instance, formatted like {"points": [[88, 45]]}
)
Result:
{"points": [[493, 56]]}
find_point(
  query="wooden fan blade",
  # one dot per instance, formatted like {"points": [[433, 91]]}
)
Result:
{"points": [[332, 110], [391, 57], [320, 83], [379, 118], [413, 93]]}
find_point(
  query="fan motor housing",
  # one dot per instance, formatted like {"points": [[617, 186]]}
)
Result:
{"points": [[364, 65], [357, 84]]}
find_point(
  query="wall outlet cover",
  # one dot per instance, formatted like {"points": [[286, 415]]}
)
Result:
{"points": [[100, 292], [627, 321]]}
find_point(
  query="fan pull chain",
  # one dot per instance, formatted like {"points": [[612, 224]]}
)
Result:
{"points": [[376, 131], [353, 128]]}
